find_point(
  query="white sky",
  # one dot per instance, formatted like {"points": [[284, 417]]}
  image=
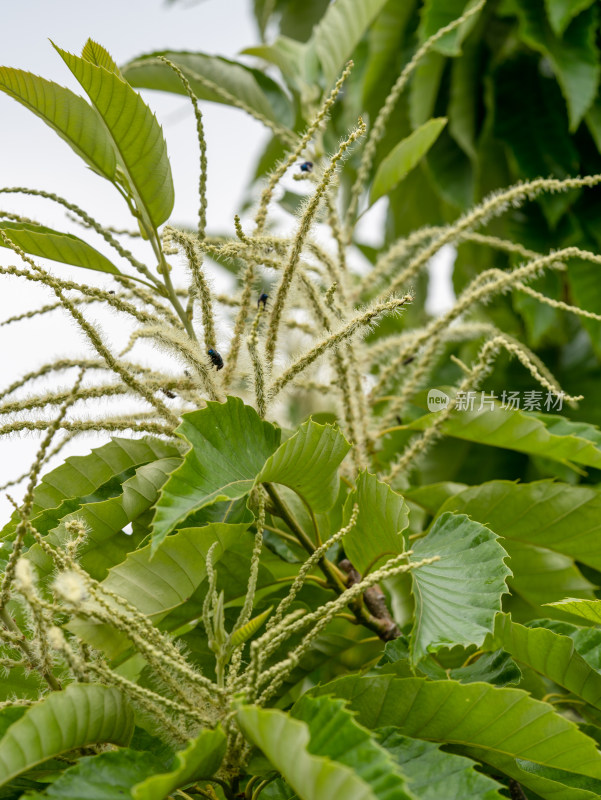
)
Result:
{"points": [[32, 155]]}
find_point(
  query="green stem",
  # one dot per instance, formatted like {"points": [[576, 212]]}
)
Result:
{"points": [[155, 242]]}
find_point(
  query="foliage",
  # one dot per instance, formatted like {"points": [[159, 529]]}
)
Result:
{"points": [[302, 575]]}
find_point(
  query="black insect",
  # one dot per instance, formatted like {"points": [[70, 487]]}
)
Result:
{"points": [[306, 166], [111, 291], [168, 393], [408, 360], [216, 359], [262, 301]]}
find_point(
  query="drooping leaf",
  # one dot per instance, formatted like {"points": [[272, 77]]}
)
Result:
{"points": [[404, 157], [550, 654], [538, 434], [106, 545], [38, 240], [383, 516], [555, 516], [249, 86], [339, 31], [561, 12], [81, 715], [136, 135], [200, 759], [573, 56], [335, 734], [457, 597], [432, 774], [308, 463], [86, 479], [313, 777], [229, 446], [493, 725], [67, 114]]}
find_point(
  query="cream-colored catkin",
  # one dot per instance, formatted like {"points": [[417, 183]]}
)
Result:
{"points": [[299, 240], [25, 509], [90, 222], [200, 285], [473, 379], [493, 205], [93, 335], [321, 618], [379, 126], [187, 349], [481, 289], [300, 145], [309, 564], [362, 319], [202, 146], [258, 367]]}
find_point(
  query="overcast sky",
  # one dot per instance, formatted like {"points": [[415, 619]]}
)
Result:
{"points": [[32, 155]]}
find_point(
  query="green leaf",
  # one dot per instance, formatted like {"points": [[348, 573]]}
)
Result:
{"points": [[339, 32], [106, 545], [490, 724], [229, 446], [82, 715], [96, 54], [308, 464], [106, 776], [83, 479], [574, 57], [287, 54], [67, 114], [549, 654], [561, 12], [590, 610], [340, 649], [438, 13], [244, 633], [312, 777], [157, 584], [38, 240], [249, 86], [136, 136], [404, 157], [424, 88], [432, 774], [538, 434], [383, 516], [539, 577], [335, 734], [562, 518], [457, 597], [200, 759]]}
